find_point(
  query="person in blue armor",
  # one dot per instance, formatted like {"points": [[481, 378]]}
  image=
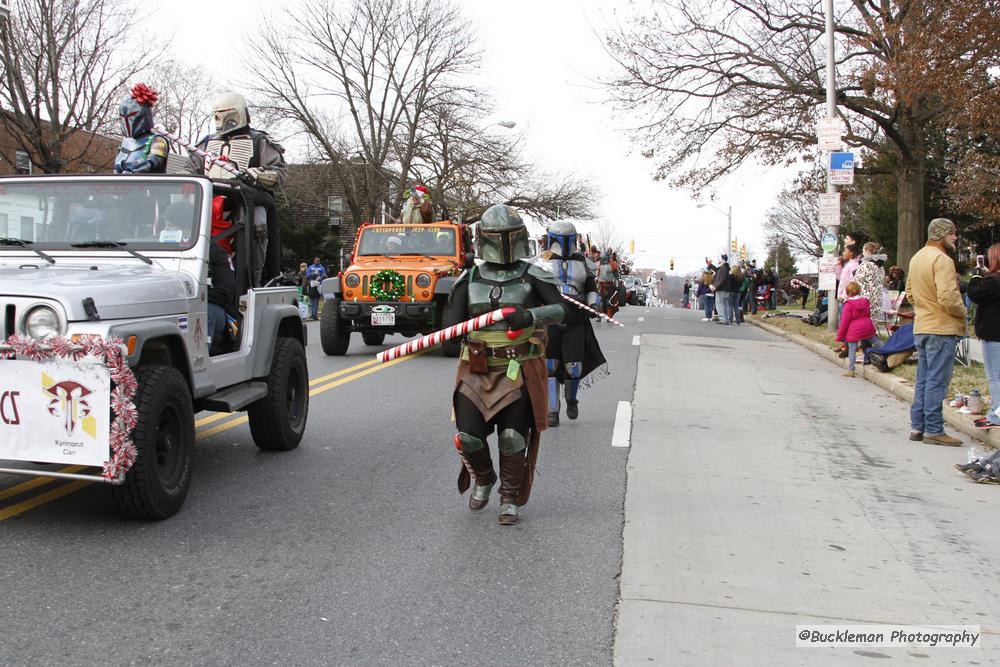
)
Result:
{"points": [[572, 351], [501, 380], [141, 151]]}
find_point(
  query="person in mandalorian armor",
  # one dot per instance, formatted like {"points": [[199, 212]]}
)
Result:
{"points": [[141, 151], [257, 155], [572, 351], [501, 382]]}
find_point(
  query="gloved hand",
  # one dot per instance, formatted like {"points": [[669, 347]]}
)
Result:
{"points": [[520, 318], [263, 177]]}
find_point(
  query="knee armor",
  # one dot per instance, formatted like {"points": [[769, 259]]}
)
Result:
{"points": [[468, 444], [511, 442]]}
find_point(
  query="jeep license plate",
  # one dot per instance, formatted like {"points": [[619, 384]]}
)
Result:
{"points": [[383, 319]]}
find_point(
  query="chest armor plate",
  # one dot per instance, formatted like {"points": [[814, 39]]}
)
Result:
{"points": [[493, 289], [571, 274], [237, 149], [132, 152]]}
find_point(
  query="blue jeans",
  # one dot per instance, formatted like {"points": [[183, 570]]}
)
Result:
{"points": [[935, 362], [852, 350], [314, 306], [708, 301], [216, 322], [991, 359], [724, 304]]}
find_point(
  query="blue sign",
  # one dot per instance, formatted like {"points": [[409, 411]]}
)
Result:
{"points": [[839, 161]]}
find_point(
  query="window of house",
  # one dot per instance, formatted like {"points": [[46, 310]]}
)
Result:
{"points": [[335, 209], [22, 163], [3, 226]]}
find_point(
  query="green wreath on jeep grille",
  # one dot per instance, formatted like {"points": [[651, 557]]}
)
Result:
{"points": [[394, 281]]}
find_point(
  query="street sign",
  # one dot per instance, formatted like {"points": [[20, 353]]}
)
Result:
{"points": [[828, 133], [842, 168], [828, 242], [829, 209], [827, 272]]}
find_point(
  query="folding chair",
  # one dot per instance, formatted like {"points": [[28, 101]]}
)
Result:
{"points": [[890, 322]]}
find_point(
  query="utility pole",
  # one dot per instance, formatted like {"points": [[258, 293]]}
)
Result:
{"points": [[832, 310], [729, 231]]}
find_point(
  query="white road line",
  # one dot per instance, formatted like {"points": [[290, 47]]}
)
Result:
{"points": [[635, 340], [622, 435], [641, 318]]}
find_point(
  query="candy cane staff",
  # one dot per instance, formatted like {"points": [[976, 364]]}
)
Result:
{"points": [[501, 383], [572, 352]]}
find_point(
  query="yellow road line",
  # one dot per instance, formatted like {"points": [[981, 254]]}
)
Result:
{"points": [[18, 489], [48, 496], [211, 419], [31, 503]]}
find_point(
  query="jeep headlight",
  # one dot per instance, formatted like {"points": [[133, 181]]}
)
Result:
{"points": [[41, 322], [352, 280], [424, 280]]}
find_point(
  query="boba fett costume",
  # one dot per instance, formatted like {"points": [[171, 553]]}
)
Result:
{"points": [[501, 379], [572, 352]]}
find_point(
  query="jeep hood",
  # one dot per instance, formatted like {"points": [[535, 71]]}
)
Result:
{"points": [[118, 291]]}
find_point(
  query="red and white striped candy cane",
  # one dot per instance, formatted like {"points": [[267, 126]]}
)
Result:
{"points": [[591, 310], [460, 329]]}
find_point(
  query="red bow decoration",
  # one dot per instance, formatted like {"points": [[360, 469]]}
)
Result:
{"points": [[144, 95]]}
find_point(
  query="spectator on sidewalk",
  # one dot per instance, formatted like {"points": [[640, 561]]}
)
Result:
{"points": [[856, 327], [896, 280], [686, 298], [871, 277], [723, 290], [982, 471], [315, 274], [939, 323], [984, 291], [851, 263], [704, 292]]}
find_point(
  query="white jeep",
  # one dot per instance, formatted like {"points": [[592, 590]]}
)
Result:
{"points": [[97, 255]]}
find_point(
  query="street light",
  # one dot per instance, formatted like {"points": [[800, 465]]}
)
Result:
{"points": [[509, 124], [729, 222]]}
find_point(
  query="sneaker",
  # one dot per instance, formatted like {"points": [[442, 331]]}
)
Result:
{"points": [[983, 477], [916, 436], [848, 374], [706, 319], [966, 468], [983, 423], [942, 439]]}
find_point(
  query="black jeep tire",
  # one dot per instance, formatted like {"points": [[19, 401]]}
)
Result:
{"points": [[333, 335], [156, 485], [453, 347], [278, 420], [373, 337]]}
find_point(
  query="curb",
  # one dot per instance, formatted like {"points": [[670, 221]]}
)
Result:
{"points": [[896, 386]]}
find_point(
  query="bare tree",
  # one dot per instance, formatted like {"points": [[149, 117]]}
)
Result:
{"points": [[729, 80], [358, 79], [186, 92], [795, 220], [65, 64]]}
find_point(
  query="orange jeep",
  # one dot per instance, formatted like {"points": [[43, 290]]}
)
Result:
{"points": [[397, 283]]}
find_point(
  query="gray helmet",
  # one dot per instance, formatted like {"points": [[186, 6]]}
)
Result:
{"points": [[563, 233], [503, 238], [229, 113]]}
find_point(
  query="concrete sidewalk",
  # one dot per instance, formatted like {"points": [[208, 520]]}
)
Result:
{"points": [[765, 490]]}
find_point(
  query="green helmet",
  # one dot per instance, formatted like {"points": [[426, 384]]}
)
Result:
{"points": [[503, 238]]}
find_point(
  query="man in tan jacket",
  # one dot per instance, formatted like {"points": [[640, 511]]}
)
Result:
{"points": [[939, 323]]}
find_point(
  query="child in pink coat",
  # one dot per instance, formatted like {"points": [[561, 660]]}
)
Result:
{"points": [[856, 326]]}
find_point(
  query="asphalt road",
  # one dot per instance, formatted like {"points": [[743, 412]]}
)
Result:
{"points": [[353, 549]]}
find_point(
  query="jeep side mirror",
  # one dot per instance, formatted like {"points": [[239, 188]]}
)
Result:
{"points": [[469, 260]]}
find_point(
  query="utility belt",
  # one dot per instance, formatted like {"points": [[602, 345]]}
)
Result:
{"points": [[483, 357]]}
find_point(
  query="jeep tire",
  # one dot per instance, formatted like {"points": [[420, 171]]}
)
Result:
{"points": [[156, 485], [334, 337], [278, 420], [373, 337], [452, 347]]}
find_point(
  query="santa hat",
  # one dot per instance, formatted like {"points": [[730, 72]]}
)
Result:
{"points": [[420, 191]]}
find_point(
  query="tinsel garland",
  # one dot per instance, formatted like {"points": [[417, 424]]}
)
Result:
{"points": [[110, 352], [396, 285]]}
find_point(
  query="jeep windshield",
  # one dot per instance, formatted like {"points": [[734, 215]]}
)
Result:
{"points": [[407, 240], [124, 212]]}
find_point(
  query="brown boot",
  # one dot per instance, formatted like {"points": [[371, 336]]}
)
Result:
{"points": [[485, 478], [511, 476]]}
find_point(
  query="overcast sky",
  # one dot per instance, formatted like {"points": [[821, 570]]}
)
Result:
{"points": [[541, 59]]}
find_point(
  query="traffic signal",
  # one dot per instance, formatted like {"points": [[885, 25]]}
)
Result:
{"points": [[733, 246], [671, 263], [631, 246], [743, 251]]}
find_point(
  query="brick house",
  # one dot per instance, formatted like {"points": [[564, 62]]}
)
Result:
{"points": [[100, 157]]}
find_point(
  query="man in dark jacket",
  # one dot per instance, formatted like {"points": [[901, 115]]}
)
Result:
{"points": [[724, 292]]}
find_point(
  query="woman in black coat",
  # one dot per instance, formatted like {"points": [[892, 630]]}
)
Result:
{"points": [[984, 291]]}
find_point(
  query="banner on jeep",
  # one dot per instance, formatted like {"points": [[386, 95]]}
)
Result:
{"points": [[55, 412], [434, 240]]}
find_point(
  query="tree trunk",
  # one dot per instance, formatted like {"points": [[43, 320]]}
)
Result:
{"points": [[910, 201]]}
